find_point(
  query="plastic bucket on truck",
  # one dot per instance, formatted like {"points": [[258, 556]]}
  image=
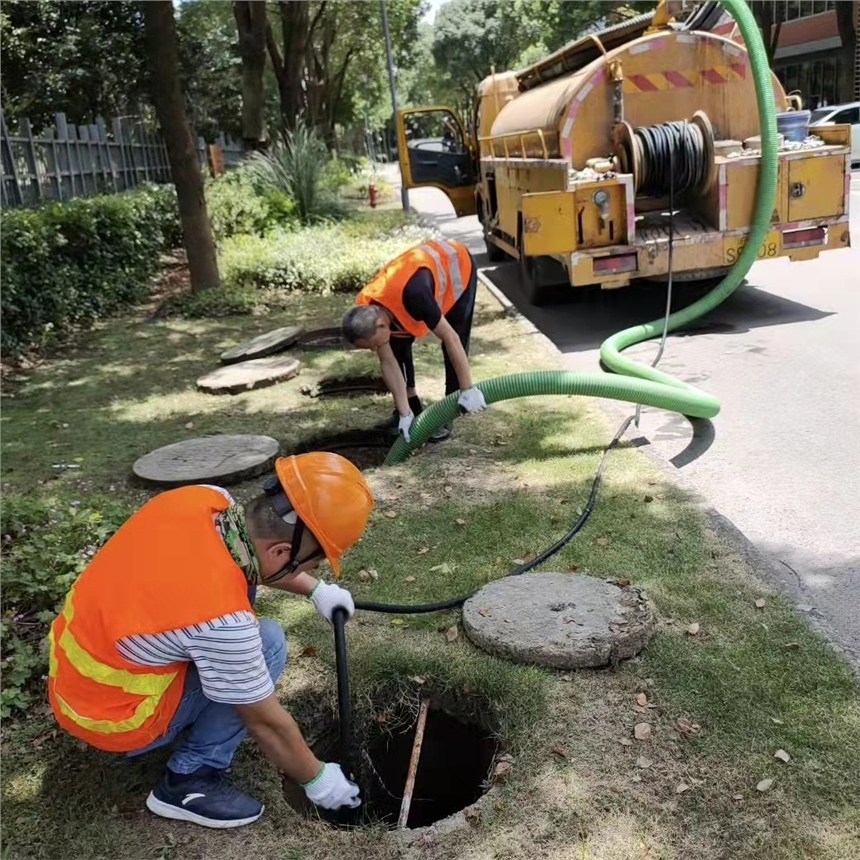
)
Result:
{"points": [[794, 124]]}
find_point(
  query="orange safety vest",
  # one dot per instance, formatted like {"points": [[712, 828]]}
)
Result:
{"points": [[167, 567], [451, 265]]}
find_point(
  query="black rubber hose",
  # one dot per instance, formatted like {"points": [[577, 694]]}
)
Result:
{"points": [[338, 620]]}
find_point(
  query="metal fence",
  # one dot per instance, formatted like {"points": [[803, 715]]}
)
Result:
{"points": [[68, 161]]}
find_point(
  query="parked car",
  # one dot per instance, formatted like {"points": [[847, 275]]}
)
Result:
{"points": [[847, 114]]}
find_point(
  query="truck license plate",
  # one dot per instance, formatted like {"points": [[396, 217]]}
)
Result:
{"points": [[734, 246]]}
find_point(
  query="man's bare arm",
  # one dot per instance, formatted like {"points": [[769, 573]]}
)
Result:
{"points": [[279, 738]]}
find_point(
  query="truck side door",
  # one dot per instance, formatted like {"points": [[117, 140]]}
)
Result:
{"points": [[434, 151]]}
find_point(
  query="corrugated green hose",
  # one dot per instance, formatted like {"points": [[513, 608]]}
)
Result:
{"points": [[635, 382]]}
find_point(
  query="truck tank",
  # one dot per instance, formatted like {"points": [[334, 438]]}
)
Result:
{"points": [[666, 76]]}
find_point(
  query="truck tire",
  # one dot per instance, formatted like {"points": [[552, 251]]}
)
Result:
{"points": [[541, 277]]}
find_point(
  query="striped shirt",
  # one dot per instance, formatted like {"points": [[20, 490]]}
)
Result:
{"points": [[227, 652]]}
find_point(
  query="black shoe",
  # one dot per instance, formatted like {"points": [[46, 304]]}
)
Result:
{"points": [[205, 797]]}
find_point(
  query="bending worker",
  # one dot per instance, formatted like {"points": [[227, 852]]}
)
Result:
{"points": [[158, 634], [428, 288]]}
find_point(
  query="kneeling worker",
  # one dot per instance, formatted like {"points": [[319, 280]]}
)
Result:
{"points": [[158, 634], [428, 288]]}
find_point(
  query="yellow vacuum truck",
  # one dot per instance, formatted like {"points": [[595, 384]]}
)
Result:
{"points": [[585, 164]]}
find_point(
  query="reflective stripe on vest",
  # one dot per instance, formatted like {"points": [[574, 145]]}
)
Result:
{"points": [[455, 285], [150, 685]]}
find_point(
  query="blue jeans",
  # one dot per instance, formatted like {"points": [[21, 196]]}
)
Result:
{"points": [[215, 730]]}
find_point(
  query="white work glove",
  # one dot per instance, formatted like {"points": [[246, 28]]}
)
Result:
{"points": [[404, 425], [330, 789], [472, 400], [327, 597]]}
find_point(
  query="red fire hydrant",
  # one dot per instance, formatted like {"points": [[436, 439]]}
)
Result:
{"points": [[371, 194]]}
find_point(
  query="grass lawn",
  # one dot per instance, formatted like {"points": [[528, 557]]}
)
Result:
{"points": [[754, 680]]}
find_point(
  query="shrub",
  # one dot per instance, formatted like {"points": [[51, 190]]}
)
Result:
{"points": [[337, 175], [68, 264], [295, 167], [234, 205], [323, 259], [46, 544]]}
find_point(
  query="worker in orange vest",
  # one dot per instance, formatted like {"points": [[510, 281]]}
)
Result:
{"points": [[428, 288], [158, 634]]}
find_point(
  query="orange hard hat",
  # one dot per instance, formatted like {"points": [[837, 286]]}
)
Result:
{"points": [[330, 496]]}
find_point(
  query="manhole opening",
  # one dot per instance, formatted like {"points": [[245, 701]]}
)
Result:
{"points": [[347, 386], [365, 448], [324, 338], [454, 770]]}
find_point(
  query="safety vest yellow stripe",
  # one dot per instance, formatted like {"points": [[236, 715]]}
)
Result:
{"points": [[435, 250], [148, 684], [440, 269]]}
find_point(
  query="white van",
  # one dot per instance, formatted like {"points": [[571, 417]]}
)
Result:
{"points": [[848, 114]]}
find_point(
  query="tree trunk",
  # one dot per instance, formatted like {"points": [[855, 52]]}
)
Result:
{"points": [[250, 18], [162, 48]]}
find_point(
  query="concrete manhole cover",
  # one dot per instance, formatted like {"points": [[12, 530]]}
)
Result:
{"points": [[263, 345], [207, 460], [562, 620], [247, 375]]}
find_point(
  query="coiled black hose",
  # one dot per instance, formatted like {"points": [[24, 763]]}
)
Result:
{"points": [[671, 153]]}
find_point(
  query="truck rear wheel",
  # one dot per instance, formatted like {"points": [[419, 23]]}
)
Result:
{"points": [[540, 277]]}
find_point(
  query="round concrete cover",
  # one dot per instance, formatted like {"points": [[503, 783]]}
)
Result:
{"points": [[562, 620], [263, 345], [218, 460], [247, 375]]}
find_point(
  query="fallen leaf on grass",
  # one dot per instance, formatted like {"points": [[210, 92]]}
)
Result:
{"points": [[424, 550], [686, 727], [792, 645], [410, 579], [760, 603], [373, 573], [460, 522], [417, 679], [737, 796], [782, 755], [397, 622], [681, 787], [449, 488], [641, 700], [602, 541], [442, 568], [390, 514], [626, 742], [764, 785], [363, 575], [503, 765], [451, 634], [308, 651], [694, 629], [777, 721], [643, 762], [642, 731], [189, 425], [621, 583], [561, 753]]}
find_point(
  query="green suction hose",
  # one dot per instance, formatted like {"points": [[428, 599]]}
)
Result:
{"points": [[635, 382]]}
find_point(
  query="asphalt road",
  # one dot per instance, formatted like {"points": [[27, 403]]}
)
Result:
{"points": [[782, 459]]}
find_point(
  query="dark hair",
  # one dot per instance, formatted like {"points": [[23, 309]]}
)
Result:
{"points": [[359, 323], [265, 522]]}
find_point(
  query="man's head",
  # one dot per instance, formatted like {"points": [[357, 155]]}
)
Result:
{"points": [[315, 507], [367, 326], [273, 537]]}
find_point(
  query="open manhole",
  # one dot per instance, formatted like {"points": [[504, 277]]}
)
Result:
{"points": [[365, 448], [324, 338], [453, 766], [347, 386]]}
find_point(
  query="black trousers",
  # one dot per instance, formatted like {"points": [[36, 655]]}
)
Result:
{"points": [[460, 319]]}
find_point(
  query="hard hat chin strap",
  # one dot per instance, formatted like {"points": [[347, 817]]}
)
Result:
{"points": [[283, 508]]}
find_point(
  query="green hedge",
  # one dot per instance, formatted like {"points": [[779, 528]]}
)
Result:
{"points": [[68, 264], [46, 544], [324, 259]]}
